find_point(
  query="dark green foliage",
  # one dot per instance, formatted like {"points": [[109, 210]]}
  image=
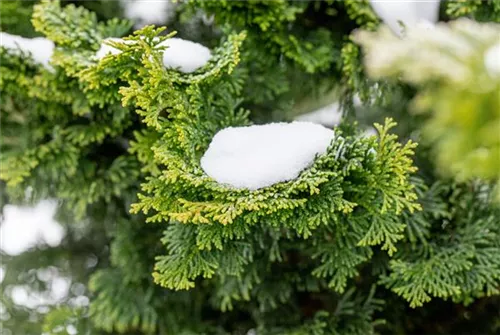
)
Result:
{"points": [[460, 260], [16, 14], [15, 17], [365, 235], [487, 11]]}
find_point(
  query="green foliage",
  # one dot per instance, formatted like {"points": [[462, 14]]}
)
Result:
{"points": [[16, 14], [71, 127], [460, 260], [115, 308], [118, 142], [487, 11], [362, 13], [65, 321], [183, 193], [269, 22], [288, 42], [353, 314]]}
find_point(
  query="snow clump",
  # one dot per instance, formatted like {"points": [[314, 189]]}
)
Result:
{"points": [[258, 156], [41, 49]]}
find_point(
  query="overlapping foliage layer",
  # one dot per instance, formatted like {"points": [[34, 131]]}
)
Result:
{"points": [[330, 252]]}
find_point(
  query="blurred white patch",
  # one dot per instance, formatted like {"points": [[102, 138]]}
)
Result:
{"points": [[3, 311], [80, 301], [19, 295], [145, 12], [492, 60], [24, 227], [369, 132], [328, 116], [59, 287], [41, 49], [71, 330], [58, 290], [396, 13]]}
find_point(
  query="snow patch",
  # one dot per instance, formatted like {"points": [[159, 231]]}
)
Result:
{"points": [[71, 330], [183, 55], [107, 49], [41, 49], [407, 12], [145, 12], [23, 228], [330, 115], [258, 156], [492, 60], [369, 132]]}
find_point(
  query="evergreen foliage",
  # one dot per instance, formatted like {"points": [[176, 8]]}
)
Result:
{"points": [[372, 225], [16, 14]]}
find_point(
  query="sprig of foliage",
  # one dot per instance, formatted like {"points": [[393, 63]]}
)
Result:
{"points": [[299, 257]]}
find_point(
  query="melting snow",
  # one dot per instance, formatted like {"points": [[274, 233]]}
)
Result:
{"points": [[41, 49], [186, 56], [259, 156]]}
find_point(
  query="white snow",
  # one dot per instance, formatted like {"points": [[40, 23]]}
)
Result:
{"points": [[262, 155], [492, 60], [145, 12], [369, 132], [185, 55], [58, 288], [106, 49], [71, 330], [329, 115], [408, 12], [23, 228], [41, 49]]}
